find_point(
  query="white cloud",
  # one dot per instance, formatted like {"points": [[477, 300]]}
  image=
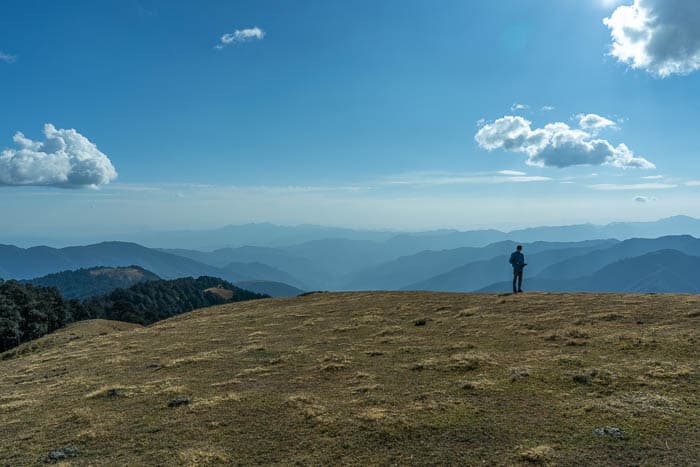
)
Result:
{"points": [[528, 178], [653, 177], [641, 199], [692, 183], [450, 178], [555, 145], [515, 107], [633, 186], [240, 35], [547, 108], [65, 159], [593, 122], [659, 36], [7, 58]]}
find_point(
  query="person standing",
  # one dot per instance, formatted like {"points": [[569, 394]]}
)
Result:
{"points": [[517, 260]]}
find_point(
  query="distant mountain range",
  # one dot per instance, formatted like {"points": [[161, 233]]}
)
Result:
{"points": [[475, 275], [403, 243], [398, 243], [663, 271], [410, 271], [20, 263], [394, 263]]}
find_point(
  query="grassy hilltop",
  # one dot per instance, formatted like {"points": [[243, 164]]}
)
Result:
{"points": [[367, 378]]}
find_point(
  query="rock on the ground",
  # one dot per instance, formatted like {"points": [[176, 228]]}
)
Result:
{"points": [[178, 401], [64, 453], [613, 431]]}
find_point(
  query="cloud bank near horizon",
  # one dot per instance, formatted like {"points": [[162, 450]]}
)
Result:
{"points": [[65, 159], [661, 37], [557, 144]]}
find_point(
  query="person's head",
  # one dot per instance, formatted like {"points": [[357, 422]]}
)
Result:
{"points": [[519, 248]]}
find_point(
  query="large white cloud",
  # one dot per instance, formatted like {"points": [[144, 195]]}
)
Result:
{"points": [[659, 36], [557, 144], [65, 159], [240, 35]]}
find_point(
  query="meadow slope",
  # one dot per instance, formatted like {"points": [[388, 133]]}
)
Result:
{"points": [[367, 378]]}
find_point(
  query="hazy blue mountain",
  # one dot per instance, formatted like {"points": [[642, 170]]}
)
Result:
{"points": [[273, 289], [412, 270], [260, 234], [583, 265], [676, 225], [18, 263], [663, 271], [400, 243], [306, 274], [259, 271], [478, 274], [84, 283], [444, 240], [341, 256]]}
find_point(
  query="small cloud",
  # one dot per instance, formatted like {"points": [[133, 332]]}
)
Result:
{"points": [[692, 183], [481, 122], [65, 159], [653, 177], [239, 36], [529, 178], [547, 108], [633, 186], [593, 122], [515, 107], [7, 58], [644, 199], [511, 172]]}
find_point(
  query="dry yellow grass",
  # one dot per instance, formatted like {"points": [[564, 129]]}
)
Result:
{"points": [[359, 378]]}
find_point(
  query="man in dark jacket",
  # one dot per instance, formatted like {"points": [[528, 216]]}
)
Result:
{"points": [[517, 260]]}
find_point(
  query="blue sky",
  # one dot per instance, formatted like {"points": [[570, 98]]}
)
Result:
{"points": [[363, 113]]}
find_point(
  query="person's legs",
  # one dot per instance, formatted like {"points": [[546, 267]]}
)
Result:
{"points": [[515, 278], [520, 281]]}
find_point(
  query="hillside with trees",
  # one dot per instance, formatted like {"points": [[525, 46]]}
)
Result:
{"points": [[148, 302], [85, 283], [28, 311]]}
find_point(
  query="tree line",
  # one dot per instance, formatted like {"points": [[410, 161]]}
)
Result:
{"points": [[28, 312]]}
